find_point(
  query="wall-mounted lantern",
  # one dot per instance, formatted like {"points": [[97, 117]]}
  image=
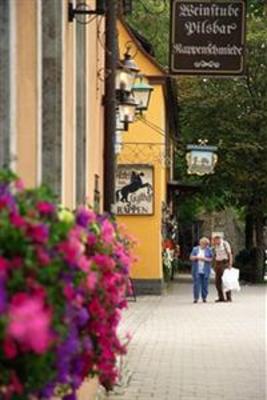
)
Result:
{"points": [[126, 73], [82, 9], [118, 143], [125, 77], [120, 126], [127, 109], [132, 97], [201, 159], [142, 94]]}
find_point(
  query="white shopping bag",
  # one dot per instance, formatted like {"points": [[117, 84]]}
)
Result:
{"points": [[230, 279]]}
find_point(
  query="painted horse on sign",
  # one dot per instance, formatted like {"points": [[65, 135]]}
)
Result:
{"points": [[136, 183]]}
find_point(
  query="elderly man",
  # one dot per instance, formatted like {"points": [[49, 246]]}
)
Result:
{"points": [[223, 259]]}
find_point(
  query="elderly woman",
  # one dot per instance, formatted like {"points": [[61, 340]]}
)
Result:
{"points": [[201, 257]]}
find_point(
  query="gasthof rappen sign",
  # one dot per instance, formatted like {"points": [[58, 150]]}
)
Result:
{"points": [[134, 189], [207, 37]]}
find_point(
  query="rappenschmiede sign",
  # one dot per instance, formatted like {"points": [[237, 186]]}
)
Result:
{"points": [[207, 37]]}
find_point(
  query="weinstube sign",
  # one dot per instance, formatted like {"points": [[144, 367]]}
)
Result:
{"points": [[207, 37]]}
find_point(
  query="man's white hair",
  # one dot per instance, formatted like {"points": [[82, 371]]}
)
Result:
{"points": [[217, 235]]}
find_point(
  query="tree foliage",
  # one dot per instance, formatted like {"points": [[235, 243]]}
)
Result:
{"points": [[231, 113], [151, 19]]}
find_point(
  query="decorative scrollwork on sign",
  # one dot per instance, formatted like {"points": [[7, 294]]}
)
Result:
{"points": [[206, 64]]}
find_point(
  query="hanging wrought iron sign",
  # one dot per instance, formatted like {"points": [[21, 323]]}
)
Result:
{"points": [[201, 159], [207, 37], [134, 189]]}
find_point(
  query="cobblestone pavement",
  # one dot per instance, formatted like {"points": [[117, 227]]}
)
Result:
{"points": [[186, 351]]}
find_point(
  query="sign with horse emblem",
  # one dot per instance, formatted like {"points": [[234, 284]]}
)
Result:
{"points": [[134, 189]]}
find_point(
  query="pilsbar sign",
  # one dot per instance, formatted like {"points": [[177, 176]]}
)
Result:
{"points": [[207, 37]]}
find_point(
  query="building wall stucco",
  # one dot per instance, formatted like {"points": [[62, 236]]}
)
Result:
{"points": [[147, 229], [45, 81], [26, 79], [95, 108], [4, 82], [69, 157]]}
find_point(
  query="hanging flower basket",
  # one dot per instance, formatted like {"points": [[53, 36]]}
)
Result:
{"points": [[63, 284]]}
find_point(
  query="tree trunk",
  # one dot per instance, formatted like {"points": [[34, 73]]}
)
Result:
{"points": [[249, 231], [260, 253]]}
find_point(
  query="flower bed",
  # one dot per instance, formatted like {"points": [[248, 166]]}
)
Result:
{"points": [[63, 284]]}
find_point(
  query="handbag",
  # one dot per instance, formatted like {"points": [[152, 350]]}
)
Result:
{"points": [[230, 279]]}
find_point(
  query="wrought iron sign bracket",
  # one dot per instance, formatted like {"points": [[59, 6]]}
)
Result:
{"points": [[83, 9]]}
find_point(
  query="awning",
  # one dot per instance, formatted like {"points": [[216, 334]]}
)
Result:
{"points": [[179, 187]]}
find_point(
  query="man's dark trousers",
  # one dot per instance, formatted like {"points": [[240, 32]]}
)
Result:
{"points": [[219, 270]]}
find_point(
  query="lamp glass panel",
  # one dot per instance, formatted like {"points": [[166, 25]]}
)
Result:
{"points": [[118, 143], [124, 80], [127, 112], [119, 124], [142, 98]]}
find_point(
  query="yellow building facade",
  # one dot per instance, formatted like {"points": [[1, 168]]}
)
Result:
{"points": [[145, 144], [52, 78], [52, 81], [51, 111]]}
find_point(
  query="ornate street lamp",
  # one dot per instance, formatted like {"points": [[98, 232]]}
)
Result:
{"points": [[142, 94], [126, 74], [118, 143], [84, 11], [201, 159], [127, 109], [120, 126]]}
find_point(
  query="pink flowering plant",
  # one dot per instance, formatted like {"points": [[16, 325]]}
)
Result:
{"points": [[63, 284]]}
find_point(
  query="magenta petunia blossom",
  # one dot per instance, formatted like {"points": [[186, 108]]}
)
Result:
{"points": [[104, 261], [17, 220], [29, 322], [84, 263], [7, 201], [91, 280], [91, 239], [3, 296], [45, 208], [71, 250], [39, 233], [69, 292], [62, 289], [124, 258], [107, 230], [4, 265], [42, 256], [9, 347]]}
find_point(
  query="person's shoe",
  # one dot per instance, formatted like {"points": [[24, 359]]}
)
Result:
{"points": [[204, 301], [229, 300], [195, 301], [219, 301]]}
